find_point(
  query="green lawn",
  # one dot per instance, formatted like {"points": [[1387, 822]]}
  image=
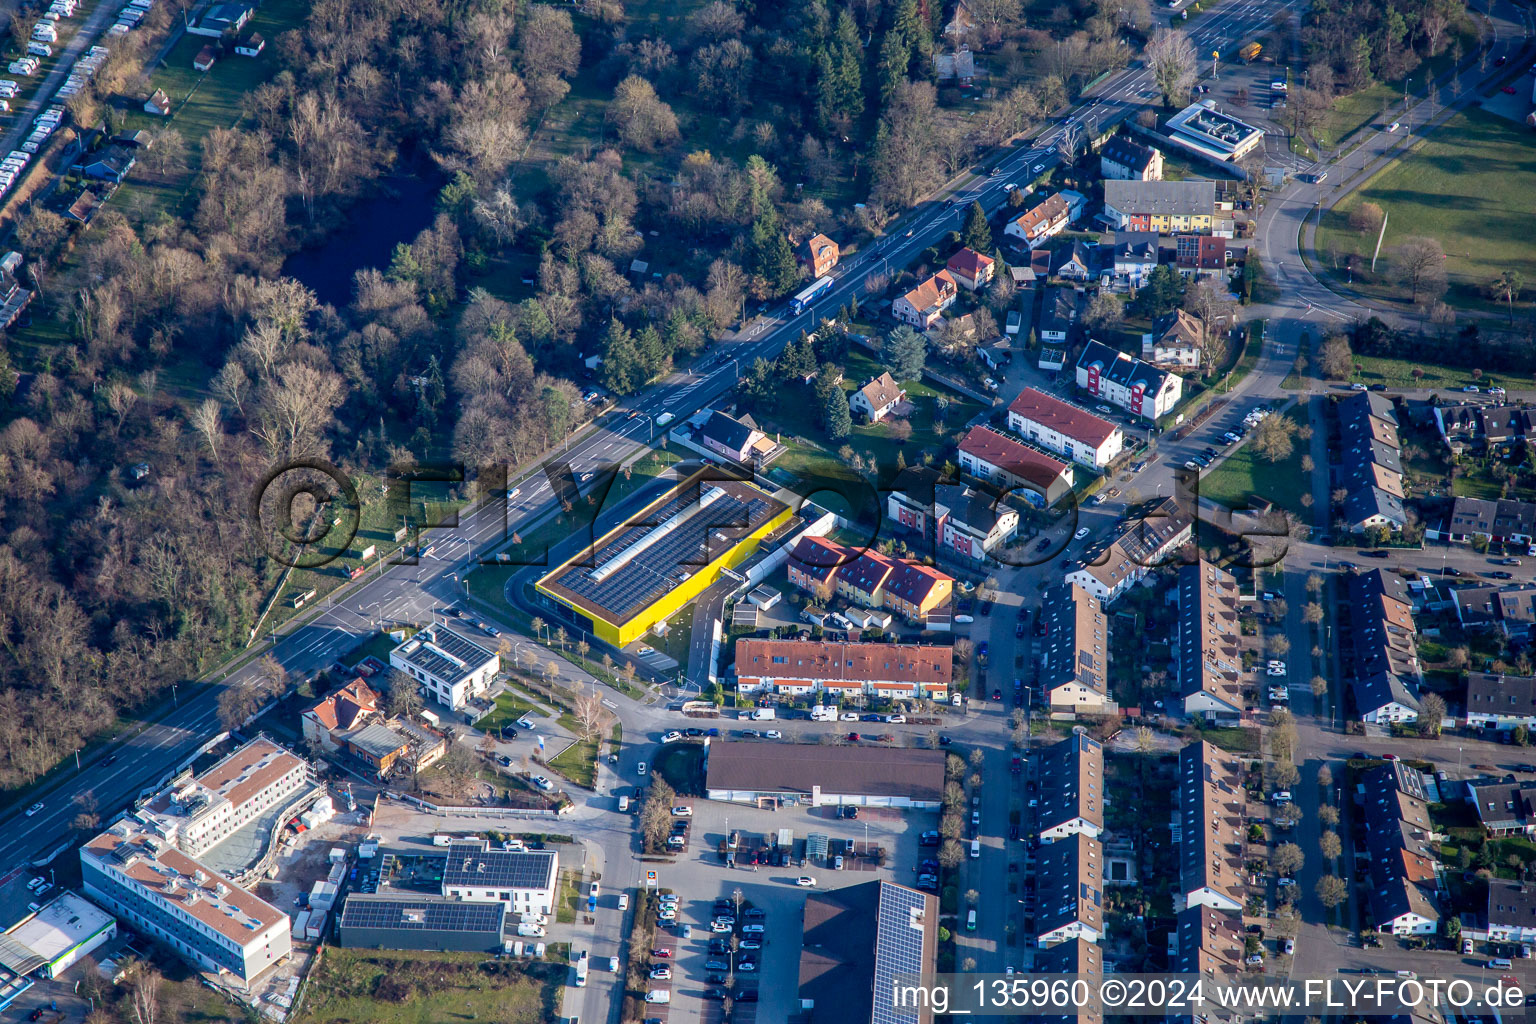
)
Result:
{"points": [[1468, 185], [1245, 476], [577, 762], [402, 987], [1399, 373], [509, 708]]}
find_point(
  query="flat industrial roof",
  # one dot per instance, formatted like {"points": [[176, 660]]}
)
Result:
{"points": [[852, 770], [59, 927], [443, 654], [654, 551]]}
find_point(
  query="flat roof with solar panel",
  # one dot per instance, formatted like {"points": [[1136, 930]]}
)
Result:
{"points": [[671, 549], [443, 654], [474, 865], [397, 913]]}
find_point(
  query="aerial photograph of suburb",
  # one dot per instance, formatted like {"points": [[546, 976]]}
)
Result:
{"points": [[767, 511]]}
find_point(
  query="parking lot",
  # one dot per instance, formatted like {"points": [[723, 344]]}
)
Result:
{"points": [[701, 876]]}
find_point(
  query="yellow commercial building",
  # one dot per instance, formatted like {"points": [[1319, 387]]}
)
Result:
{"points": [[665, 555]]}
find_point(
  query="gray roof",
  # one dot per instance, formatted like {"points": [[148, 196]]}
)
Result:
{"points": [[1368, 502], [376, 739], [1397, 829], [1127, 153], [727, 431], [1492, 694], [1172, 198], [1511, 904], [1071, 775], [852, 770], [1121, 368]]}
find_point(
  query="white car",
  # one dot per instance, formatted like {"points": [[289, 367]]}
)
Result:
{"points": [[34, 809], [543, 783], [1394, 126], [1281, 796], [1286, 883], [613, 964], [682, 811], [773, 734], [806, 880], [849, 716], [897, 719], [668, 897], [641, 768], [672, 737], [1082, 531], [661, 973]]}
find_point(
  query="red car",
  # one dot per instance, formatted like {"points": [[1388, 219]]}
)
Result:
{"points": [[662, 953], [997, 694], [1509, 89]]}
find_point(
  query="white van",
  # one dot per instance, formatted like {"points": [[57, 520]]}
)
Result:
{"points": [[975, 847], [658, 995], [764, 715], [970, 920], [1500, 964]]}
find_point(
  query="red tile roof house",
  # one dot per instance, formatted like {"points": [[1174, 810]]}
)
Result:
{"points": [[922, 306], [819, 253], [970, 269], [875, 400], [1046, 218], [814, 563], [349, 707], [1065, 428], [997, 458]]}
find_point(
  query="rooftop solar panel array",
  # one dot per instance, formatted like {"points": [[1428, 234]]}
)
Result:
{"points": [[419, 914], [898, 948], [705, 535], [469, 864], [462, 654]]}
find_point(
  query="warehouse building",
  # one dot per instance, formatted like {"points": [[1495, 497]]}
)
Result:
{"points": [[55, 938], [394, 921], [867, 776], [663, 556]]}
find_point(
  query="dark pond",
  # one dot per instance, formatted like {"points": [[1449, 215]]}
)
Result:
{"points": [[398, 212]]}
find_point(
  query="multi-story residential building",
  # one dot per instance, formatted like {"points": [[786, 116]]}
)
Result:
{"points": [[450, 667], [1142, 545], [1176, 341], [1039, 221], [1121, 379], [814, 563], [524, 880], [820, 254], [1071, 777], [1166, 207], [1511, 911], [1484, 428], [922, 306], [874, 401], [970, 269], [1065, 428], [1209, 942], [1074, 666], [797, 667], [353, 705], [1133, 257], [1402, 855], [1208, 659], [1081, 959], [145, 868], [869, 578], [1211, 816], [964, 521], [1500, 702], [991, 455], [1200, 256], [1069, 877], [1124, 159], [196, 813], [1384, 665]]}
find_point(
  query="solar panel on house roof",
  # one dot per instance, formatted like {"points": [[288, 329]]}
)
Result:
{"points": [[469, 865], [898, 948]]}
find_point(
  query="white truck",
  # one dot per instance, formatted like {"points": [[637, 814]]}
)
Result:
{"points": [[823, 713]]}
